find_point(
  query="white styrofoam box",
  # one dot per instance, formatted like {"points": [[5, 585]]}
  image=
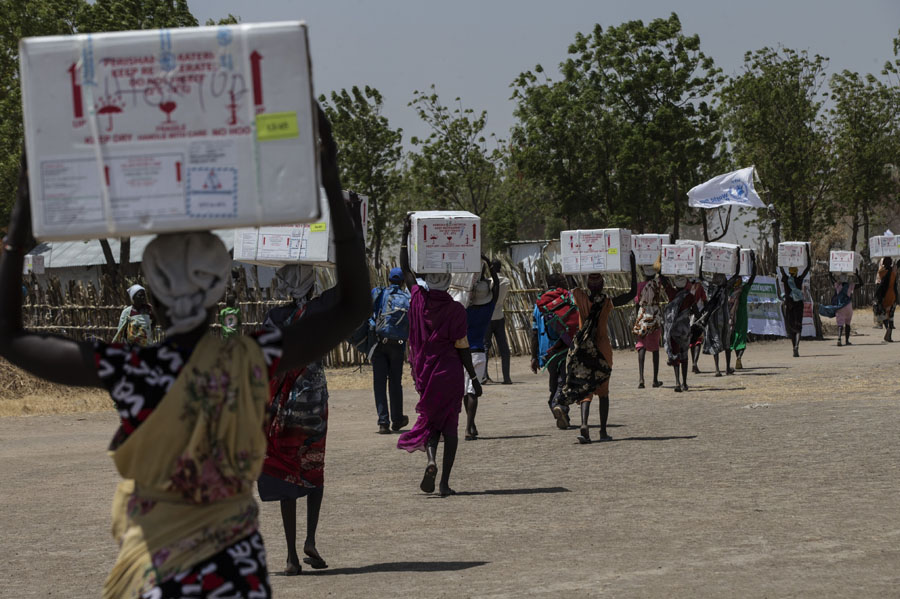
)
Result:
{"points": [[843, 261], [34, 263], [169, 130], [746, 262], [299, 243], [570, 252], [594, 246], [884, 245], [445, 241], [681, 259], [647, 247], [618, 250], [792, 254], [721, 258]]}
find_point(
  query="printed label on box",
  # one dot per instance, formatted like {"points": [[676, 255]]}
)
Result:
{"points": [[212, 192]]}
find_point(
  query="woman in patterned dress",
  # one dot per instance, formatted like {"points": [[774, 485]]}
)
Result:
{"points": [[184, 516]]}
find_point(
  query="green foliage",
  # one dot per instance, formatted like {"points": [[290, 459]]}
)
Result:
{"points": [[774, 120], [455, 169], [621, 137], [369, 155]]}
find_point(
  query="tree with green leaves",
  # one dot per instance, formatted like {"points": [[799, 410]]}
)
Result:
{"points": [[773, 119], [865, 143], [620, 139], [454, 168], [370, 153]]}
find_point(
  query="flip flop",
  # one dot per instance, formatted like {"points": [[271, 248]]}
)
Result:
{"points": [[584, 437], [314, 561], [657, 384], [448, 493], [427, 484], [293, 570]]}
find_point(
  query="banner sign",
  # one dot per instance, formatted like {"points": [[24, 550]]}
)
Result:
{"points": [[734, 188], [764, 308]]}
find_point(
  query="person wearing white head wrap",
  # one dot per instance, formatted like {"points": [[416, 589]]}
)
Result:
{"points": [[187, 273], [136, 321], [209, 420]]}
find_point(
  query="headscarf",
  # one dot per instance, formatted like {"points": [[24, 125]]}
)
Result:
{"points": [[133, 291], [481, 295], [187, 273], [438, 281], [296, 280]]}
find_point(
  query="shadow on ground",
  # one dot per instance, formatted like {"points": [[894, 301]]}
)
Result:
{"points": [[400, 567]]}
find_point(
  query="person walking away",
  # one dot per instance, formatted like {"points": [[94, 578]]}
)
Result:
{"points": [[438, 355], [497, 329], [478, 318], [298, 422], [792, 298], [137, 320], [390, 321], [554, 323], [230, 317], [697, 338], [741, 328], [589, 360], [648, 323], [841, 307], [886, 295], [717, 329], [680, 313], [191, 441]]}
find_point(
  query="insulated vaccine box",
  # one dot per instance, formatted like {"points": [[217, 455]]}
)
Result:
{"points": [[570, 252], [746, 259], [299, 243], [160, 131], [792, 254], [647, 248], [605, 250], [680, 259], [884, 245], [445, 241], [721, 258], [34, 263], [843, 261], [618, 250]]}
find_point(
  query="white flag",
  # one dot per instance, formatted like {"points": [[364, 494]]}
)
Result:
{"points": [[731, 188]]}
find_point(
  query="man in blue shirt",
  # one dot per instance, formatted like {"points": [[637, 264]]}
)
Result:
{"points": [[479, 314], [547, 352]]}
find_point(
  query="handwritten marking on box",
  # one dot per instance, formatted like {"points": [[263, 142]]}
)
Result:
{"points": [[276, 125]]}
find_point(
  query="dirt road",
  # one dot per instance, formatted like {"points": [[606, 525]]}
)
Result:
{"points": [[780, 481]]}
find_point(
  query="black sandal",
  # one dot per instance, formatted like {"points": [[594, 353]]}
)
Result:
{"points": [[427, 484], [585, 436], [314, 561]]}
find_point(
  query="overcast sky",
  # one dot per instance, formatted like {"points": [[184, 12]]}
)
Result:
{"points": [[474, 48]]}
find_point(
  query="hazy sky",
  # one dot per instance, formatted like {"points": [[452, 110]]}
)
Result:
{"points": [[474, 49]]}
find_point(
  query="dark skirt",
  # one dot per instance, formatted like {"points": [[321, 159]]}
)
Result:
{"points": [[272, 488], [793, 316]]}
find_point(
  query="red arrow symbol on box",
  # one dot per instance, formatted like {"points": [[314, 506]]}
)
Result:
{"points": [[77, 107], [255, 57]]}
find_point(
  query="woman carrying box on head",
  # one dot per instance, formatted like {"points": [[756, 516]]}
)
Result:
{"points": [[886, 295], [589, 361], [741, 318], [717, 317], [184, 517], [438, 355], [679, 315], [792, 298], [648, 324], [841, 308]]}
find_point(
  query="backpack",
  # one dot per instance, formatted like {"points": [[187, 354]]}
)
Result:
{"points": [[392, 319], [560, 314]]}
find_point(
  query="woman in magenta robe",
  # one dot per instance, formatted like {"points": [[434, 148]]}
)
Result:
{"points": [[438, 353]]}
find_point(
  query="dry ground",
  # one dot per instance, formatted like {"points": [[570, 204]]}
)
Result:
{"points": [[781, 481]]}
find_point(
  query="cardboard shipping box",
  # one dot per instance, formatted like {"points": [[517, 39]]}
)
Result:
{"points": [[445, 241], [647, 248], [884, 245], [169, 130], [843, 261], [299, 243], [746, 262], [570, 252], [721, 258], [595, 250], [792, 254], [681, 259]]}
